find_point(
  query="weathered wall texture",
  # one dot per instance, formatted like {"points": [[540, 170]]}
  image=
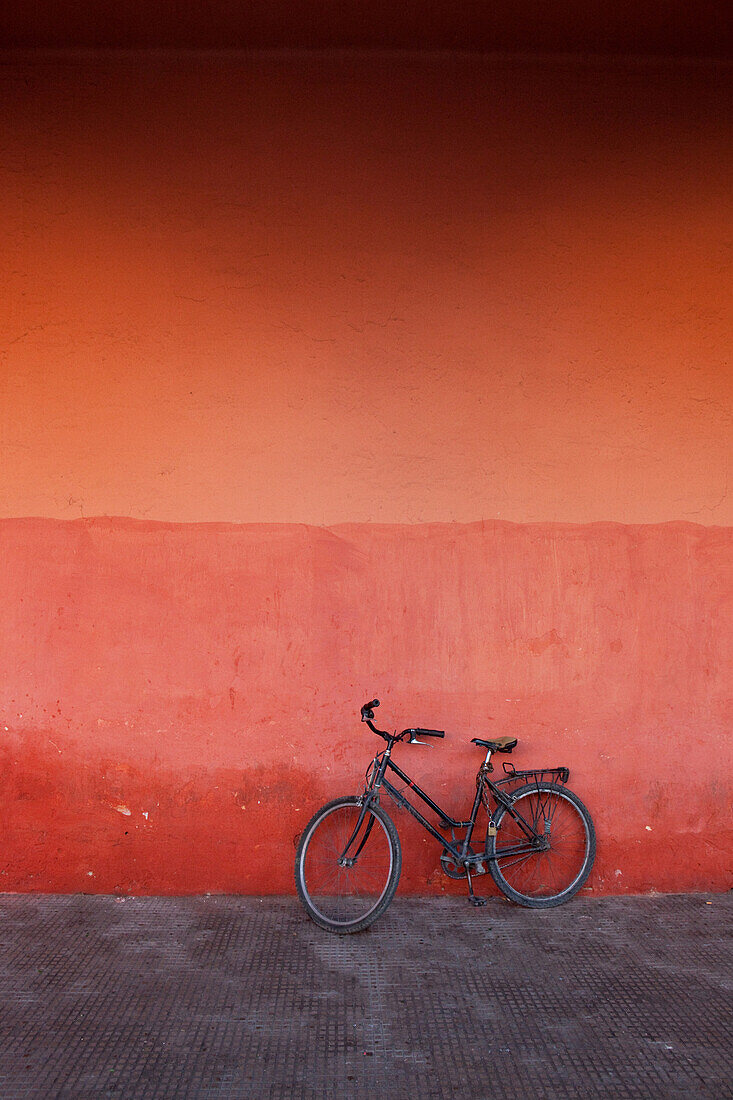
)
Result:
{"points": [[404, 375]]}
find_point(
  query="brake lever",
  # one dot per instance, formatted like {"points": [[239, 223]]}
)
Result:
{"points": [[414, 741]]}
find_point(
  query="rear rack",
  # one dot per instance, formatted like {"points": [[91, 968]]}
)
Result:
{"points": [[537, 776]]}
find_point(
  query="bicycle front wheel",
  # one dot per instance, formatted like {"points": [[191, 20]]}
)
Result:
{"points": [[534, 876], [348, 865]]}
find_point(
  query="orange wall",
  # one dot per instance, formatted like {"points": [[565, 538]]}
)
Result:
{"points": [[391, 288], [390, 292]]}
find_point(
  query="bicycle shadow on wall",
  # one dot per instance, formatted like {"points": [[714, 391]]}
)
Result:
{"points": [[539, 844]]}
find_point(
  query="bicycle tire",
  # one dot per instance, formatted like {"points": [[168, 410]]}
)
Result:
{"points": [[543, 879], [358, 894]]}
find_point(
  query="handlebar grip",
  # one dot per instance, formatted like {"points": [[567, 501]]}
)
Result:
{"points": [[367, 711], [429, 733]]}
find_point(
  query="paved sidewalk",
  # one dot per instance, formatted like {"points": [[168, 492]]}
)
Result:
{"points": [[242, 997]]}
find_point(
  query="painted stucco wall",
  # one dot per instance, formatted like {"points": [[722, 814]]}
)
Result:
{"points": [[335, 375]]}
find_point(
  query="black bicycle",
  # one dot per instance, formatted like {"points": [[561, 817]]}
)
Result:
{"points": [[539, 848]]}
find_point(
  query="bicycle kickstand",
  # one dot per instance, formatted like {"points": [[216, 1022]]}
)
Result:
{"points": [[471, 896]]}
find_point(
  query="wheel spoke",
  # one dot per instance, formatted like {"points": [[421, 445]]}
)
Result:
{"points": [[544, 873]]}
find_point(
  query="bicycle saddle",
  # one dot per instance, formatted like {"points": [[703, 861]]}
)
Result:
{"points": [[499, 744]]}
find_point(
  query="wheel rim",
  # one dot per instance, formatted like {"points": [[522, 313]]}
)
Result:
{"points": [[555, 870], [346, 894]]}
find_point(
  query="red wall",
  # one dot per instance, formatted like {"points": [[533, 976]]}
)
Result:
{"points": [[401, 375], [183, 696]]}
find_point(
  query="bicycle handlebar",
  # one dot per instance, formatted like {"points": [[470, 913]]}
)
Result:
{"points": [[367, 715]]}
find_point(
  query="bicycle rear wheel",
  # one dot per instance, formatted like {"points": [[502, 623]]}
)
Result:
{"points": [[534, 877], [347, 870]]}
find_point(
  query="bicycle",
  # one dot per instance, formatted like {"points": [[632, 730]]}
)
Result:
{"points": [[539, 847]]}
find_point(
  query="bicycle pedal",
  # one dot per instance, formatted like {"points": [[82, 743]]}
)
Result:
{"points": [[478, 902]]}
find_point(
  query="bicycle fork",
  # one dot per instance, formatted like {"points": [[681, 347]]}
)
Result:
{"points": [[348, 861]]}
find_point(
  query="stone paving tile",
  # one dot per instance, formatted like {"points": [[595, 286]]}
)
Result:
{"points": [[221, 997]]}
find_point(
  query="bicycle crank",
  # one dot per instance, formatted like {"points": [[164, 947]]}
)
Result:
{"points": [[450, 867], [456, 870]]}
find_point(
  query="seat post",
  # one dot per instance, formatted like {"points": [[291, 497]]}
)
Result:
{"points": [[488, 758]]}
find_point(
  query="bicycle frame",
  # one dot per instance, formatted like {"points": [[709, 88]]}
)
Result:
{"points": [[458, 849]]}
